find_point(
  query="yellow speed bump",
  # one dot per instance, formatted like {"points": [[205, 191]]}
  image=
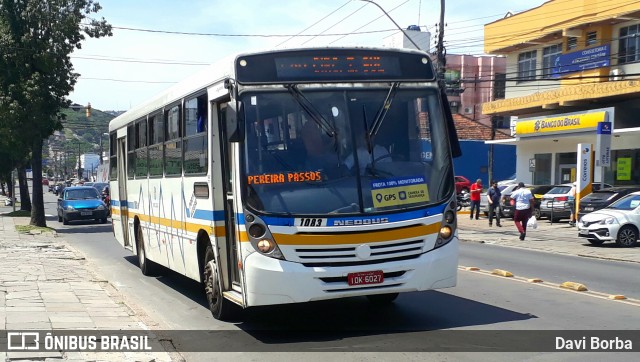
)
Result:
{"points": [[534, 280], [472, 268], [617, 297], [574, 286], [502, 273]]}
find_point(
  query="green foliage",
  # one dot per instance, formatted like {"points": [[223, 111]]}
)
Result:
{"points": [[36, 73], [37, 38]]}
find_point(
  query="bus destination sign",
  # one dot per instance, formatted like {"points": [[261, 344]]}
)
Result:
{"points": [[333, 65], [321, 66]]}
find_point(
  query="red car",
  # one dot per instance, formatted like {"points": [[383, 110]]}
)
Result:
{"points": [[462, 184]]}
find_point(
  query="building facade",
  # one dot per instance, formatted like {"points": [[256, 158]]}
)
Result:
{"points": [[473, 80], [572, 66]]}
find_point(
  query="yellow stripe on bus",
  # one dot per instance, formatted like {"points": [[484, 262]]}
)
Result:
{"points": [[419, 231]]}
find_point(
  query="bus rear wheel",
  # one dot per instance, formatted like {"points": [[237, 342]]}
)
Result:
{"points": [[382, 299], [221, 308], [147, 267]]}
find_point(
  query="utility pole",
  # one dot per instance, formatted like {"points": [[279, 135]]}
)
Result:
{"points": [[442, 61], [79, 169]]}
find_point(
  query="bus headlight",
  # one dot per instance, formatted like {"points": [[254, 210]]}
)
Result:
{"points": [[266, 246], [445, 232], [260, 237], [448, 225]]}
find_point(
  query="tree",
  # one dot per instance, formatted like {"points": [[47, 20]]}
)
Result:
{"points": [[37, 38]]}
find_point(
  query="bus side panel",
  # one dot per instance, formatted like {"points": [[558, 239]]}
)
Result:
{"points": [[199, 216], [157, 223]]}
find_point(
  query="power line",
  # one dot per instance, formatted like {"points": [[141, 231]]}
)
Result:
{"points": [[310, 26]]}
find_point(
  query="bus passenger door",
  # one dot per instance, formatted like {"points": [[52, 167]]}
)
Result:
{"points": [[122, 189], [232, 244]]}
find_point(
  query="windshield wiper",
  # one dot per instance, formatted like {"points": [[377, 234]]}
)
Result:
{"points": [[382, 112], [311, 110]]}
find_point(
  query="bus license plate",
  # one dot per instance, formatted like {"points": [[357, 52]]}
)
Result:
{"points": [[370, 277]]}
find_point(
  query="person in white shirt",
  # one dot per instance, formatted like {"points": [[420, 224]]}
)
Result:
{"points": [[524, 203], [572, 205]]}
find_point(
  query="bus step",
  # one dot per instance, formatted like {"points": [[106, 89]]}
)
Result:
{"points": [[234, 297]]}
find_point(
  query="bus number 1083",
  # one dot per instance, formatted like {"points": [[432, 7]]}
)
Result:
{"points": [[310, 222]]}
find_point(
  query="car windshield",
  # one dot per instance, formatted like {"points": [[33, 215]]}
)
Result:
{"points": [[599, 196], [89, 193], [629, 202], [560, 190], [295, 164]]}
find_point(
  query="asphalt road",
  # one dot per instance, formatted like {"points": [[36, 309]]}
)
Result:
{"points": [[603, 276], [479, 302]]}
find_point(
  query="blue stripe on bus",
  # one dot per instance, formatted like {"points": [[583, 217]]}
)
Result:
{"points": [[395, 217], [218, 215], [208, 215]]}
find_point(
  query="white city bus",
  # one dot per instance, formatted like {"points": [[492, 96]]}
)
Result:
{"points": [[245, 178]]}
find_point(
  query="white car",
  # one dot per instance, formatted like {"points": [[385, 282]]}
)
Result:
{"points": [[619, 222]]}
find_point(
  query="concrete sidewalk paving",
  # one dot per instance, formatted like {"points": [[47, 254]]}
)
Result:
{"points": [[559, 238], [47, 285]]}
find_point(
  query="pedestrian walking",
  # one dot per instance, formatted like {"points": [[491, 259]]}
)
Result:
{"points": [[493, 196], [475, 191], [522, 199], [572, 205]]}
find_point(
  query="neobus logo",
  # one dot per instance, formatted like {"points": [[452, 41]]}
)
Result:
{"points": [[378, 220]]}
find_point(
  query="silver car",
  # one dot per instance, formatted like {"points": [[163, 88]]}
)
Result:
{"points": [[619, 222], [484, 202]]}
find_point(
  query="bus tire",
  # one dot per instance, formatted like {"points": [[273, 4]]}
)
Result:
{"points": [[221, 308], [382, 299], [147, 267]]}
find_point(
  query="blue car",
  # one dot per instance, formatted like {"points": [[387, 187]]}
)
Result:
{"points": [[81, 203]]}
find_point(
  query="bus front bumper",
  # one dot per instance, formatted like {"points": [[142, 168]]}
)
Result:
{"points": [[271, 281]]}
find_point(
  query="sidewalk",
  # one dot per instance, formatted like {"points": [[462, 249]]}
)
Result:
{"points": [[45, 285], [557, 238]]}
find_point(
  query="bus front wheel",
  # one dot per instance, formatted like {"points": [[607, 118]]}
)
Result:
{"points": [[382, 299], [221, 308]]}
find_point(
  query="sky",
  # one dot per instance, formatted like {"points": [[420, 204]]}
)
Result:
{"points": [[145, 55]]}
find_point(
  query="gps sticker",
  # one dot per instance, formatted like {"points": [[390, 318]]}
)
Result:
{"points": [[399, 191]]}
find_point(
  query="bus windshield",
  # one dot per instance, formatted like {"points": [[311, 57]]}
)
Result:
{"points": [[319, 151]]}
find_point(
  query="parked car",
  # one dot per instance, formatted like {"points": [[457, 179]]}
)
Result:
{"points": [[505, 201], [600, 199], [100, 186], [509, 181], [462, 184], [555, 204], [618, 222], [81, 203], [536, 190], [484, 202]]}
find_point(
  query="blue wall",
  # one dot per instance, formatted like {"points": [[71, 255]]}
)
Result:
{"points": [[474, 162]]}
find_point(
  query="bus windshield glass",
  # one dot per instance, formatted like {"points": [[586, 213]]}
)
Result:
{"points": [[319, 151]]}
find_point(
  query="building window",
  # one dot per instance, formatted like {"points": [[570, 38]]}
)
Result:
{"points": [[572, 43], [527, 66], [499, 86], [628, 44], [549, 57], [592, 38]]}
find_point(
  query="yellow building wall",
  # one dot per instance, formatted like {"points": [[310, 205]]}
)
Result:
{"points": [[551, 17]]}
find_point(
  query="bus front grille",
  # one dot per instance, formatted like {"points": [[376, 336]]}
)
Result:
{"points": [[346, 256]]}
